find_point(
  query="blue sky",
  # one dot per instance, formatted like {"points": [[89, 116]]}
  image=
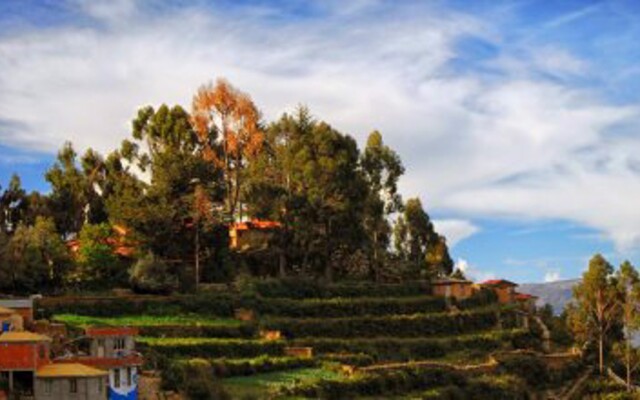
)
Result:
{"points": [[518, 121]]}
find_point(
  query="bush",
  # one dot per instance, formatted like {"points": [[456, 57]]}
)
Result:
{"points": [[194, 379], [526, 366], [297, 288], [390, 348], [350, 307], [211, 304], [151, 275], [225, 368], [177, 331], [416, 325], [375, 384], [210, 347]]}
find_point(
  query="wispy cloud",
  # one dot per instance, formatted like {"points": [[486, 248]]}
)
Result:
{"points": [[511, 142]]}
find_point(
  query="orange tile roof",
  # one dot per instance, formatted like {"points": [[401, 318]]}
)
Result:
{"points": [[6, 311], [499, 282], [94, 331], [525, 296], [69, 370], [18, 337], [256, 224]]}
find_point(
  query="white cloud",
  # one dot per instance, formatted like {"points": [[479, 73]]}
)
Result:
{"points": [[472, 272], [513, 145], [455, 230], [552, 276]]}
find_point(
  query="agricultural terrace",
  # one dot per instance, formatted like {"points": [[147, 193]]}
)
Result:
{"points": [[305, 340]]}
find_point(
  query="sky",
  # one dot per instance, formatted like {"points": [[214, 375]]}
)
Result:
{"points": [[517, 121]]}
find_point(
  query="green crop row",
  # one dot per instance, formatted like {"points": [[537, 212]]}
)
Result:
{"points": [[386, 383], [416, 325], [349, 307], [420, 348], [228, 367], [213, 304], [308, 288], [210, 347]]}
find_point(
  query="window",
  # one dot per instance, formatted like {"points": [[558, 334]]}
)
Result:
{"points": [[129, 376], [47, 386], [116, 378], [119, 344], [73, 386]]}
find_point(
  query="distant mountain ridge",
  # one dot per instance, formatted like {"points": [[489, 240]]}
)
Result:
{"points": [[556, 293]]}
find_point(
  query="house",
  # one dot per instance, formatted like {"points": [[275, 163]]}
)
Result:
{"points": [[10, 320], [527, 301], [120, 242], [21, 355], [458, 289], [252, 235], [23, 307], [69, 382], [112, 349], [505, 290]]}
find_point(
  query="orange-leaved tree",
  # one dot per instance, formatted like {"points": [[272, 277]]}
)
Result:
{"points": [[228, 124]]}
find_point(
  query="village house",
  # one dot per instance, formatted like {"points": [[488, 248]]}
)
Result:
{"points": [[21, 355], [112, 349], [504, 289], [458, 289], [252, 235], [527, 301], [70, 381], [21, 306], [106, 369], [10, 320]]}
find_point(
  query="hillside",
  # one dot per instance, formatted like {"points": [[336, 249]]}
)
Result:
{"points": [[337, 341], [557, 294]]}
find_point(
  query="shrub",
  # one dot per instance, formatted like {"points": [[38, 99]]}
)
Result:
{"points": [[210, 347], [297, 288], [390, 348], [225, 368], [151, 275], [375, 384], [195, 380], [416, 325], [349, 307]]}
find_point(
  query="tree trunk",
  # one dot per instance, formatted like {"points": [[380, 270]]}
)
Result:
{"points": [[601, 353], [628, 361]]}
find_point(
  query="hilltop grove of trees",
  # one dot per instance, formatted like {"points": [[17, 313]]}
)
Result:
{"points": [[179, 181], [603, 316]]}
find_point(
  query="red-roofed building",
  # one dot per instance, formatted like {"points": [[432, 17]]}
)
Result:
{"points": [[252, 235], [504, 289], [528, 301]]}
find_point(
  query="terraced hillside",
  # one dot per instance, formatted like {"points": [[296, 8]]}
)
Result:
{"points": [[338, 341]]}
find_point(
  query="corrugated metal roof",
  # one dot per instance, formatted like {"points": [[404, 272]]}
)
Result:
{"points": [[69, 371], [16, 303], [16, 337]]}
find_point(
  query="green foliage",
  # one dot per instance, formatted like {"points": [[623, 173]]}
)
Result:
{"points": [[417, 242], [151, 275], [392, 348], [415, 325], [298, 288], [97, 263], [350, 307], [211, 304], [211, 347], [378, 384], [36, 260], [225, 368], [195, 380]]}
